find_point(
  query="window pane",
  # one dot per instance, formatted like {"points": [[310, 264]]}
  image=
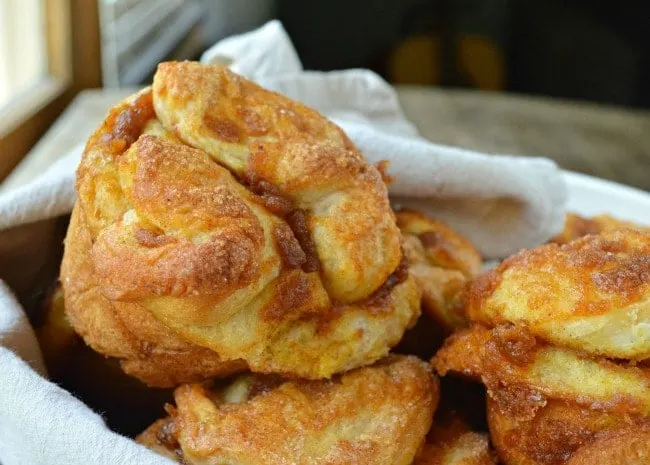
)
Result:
{"points": [[23, 60]]}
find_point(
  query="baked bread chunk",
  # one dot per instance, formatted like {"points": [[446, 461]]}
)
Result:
{"points": [[560, 340], [592, 294], [442, 262], [240, 223], [373, 415]]}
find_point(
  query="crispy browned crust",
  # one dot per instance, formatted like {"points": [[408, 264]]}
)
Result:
{"points": [[545, 403], [263, 135], [591, 295], [145, 347], [559, 433], [243, 223], [463, 353], [451, 442], [442, 262], [373, 415], [160, 357], [576, 226], [514, 364]]}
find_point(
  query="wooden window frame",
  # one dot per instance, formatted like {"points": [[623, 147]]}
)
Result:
{"points": [[74, 63]]}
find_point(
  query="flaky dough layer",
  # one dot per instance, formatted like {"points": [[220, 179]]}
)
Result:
{"points": [[374, 415], [591, 295]]}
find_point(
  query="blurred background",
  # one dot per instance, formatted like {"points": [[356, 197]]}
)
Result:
{"points": [[474, 69]]}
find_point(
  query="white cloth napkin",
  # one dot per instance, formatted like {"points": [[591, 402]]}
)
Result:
{"points": [[501, 203]]}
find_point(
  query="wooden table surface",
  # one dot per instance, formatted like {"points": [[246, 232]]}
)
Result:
{"points": [[603, 141]]}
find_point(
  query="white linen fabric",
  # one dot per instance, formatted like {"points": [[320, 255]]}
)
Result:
{"points": [[501, 203]]}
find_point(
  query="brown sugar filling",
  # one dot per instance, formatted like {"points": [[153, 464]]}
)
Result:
{"points": [[271, 197], [127, 125], [379, 297]]}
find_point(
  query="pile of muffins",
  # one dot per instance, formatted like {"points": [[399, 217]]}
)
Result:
{"points": [[245, 288]]}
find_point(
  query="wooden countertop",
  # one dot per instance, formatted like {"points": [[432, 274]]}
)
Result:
{"points": [[603, 141]]}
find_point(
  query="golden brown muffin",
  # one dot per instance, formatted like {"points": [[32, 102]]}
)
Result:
{"points": [[451, 442], [576, 226], [240, 222], [373, 415], [442, 262], [566, 326], [592, 294], [544, 402]]}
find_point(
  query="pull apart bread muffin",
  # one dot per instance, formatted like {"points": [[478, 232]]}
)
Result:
{"points": [[561, 341], [373, 415], [442, 262], [221, 226]]}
